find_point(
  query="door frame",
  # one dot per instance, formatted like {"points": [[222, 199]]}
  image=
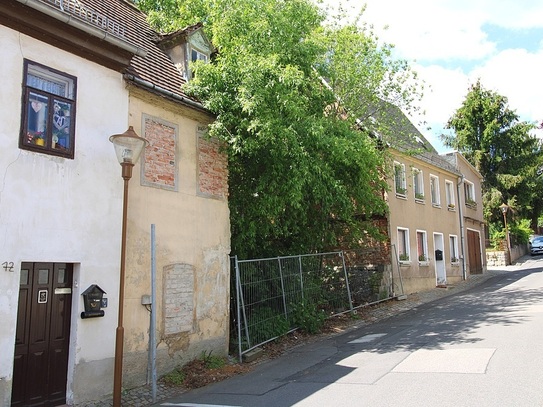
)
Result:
{"points": [[59, 338], [439, 265]]}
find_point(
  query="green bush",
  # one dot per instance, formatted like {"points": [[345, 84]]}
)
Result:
{"points": [[307, 317], [267, 324]]}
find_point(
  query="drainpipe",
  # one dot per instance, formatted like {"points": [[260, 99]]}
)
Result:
{"points": [[461, 219]]}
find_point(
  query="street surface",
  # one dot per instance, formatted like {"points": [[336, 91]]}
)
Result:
{"points": [[482, 347]]}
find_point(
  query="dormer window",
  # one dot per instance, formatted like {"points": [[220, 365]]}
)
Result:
{"points": [[185, 47], [198, 56]]}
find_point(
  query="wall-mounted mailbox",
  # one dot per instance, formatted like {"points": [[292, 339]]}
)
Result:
{"points": [[439, 254], [92, 299]]}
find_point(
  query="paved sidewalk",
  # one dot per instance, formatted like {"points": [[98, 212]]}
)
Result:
{"points": [[141, 396]]}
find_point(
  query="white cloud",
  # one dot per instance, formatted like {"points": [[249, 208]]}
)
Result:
{"points": [[446, 38], [516, 73]]}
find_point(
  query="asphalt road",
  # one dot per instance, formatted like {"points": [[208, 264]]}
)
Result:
{"points": [[482, 347]]}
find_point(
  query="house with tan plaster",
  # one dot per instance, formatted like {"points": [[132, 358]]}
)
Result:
{"points": [[75, 72], [435, 211]]}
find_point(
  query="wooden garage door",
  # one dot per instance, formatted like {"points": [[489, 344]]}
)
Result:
{"points": [[474, 252]]}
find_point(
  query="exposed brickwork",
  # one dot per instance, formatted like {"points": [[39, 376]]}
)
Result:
{"points": [[159, 161], [178, 298], [212, 167]]}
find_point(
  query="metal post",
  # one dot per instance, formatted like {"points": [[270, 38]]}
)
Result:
{"points": [[119, 333], [152, 332], [341, 254]]}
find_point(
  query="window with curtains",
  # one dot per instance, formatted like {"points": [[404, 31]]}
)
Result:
{"points": [[469, 190], [403, 244], [422, 246], [48, 124], [418, 184], [434, 190], [453, 247], [400, 186], [449, 194]]}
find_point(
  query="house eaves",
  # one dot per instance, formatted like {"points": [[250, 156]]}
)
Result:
{"points": [[47, 21], [116, 35]]}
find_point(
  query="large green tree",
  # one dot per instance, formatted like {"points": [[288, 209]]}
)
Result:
{"points": [[293, 93], [493, 138]]}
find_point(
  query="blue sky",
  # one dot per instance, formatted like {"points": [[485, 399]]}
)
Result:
{"points": [[451, 43]]}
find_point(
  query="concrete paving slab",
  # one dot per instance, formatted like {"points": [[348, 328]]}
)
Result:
{"points": [[471, 360]]}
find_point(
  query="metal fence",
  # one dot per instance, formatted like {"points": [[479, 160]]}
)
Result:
{"points": [[265, 293]]}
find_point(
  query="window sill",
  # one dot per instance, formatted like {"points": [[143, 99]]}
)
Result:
{"points": [[401, 196], [424, 263], [436, 205], [451, 209], [419, 201], [405, 263]]}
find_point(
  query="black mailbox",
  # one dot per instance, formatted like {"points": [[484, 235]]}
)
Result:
{"points": [[439, 254], [92, 299]]}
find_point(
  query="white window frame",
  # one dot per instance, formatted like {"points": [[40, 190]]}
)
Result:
{"points": [[434, 190], [403, 249], [453, 248], [418, 184], [200, 56], [449, 194], [422, 246], [400, 184], [469, 192]]}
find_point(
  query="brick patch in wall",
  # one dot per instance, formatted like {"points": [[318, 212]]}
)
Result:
{"points": [[178, 298], [159, 167], [212, 167]]}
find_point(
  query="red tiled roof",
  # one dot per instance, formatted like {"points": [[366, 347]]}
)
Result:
{"points": [[156, 67]]}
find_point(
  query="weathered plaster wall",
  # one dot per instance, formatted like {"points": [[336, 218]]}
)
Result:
{"points": [[192, 238], [61, 210]]}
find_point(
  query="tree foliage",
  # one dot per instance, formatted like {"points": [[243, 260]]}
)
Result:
{"points": [[493, 139], [293, 95]]}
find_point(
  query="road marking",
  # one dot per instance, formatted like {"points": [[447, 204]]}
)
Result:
{"points": [[367, 338]]}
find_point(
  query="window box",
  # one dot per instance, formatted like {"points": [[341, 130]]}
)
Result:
{"points": [[451, 207], [470, 203]]}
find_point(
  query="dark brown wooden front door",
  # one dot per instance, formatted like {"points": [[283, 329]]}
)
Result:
{"points": [[474, 253], [43, 334]]}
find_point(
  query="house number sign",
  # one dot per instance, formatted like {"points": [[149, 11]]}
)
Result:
{"points": [[8, 266]]}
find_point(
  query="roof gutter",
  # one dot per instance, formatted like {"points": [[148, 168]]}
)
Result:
{"points": [[95, 32], [151, 86]]}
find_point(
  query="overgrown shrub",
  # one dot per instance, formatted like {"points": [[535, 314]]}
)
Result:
{"points": [[307, 317]]}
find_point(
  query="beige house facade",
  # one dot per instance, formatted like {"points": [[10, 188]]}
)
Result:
{"points": [[435, 218], [424, 222], [73, 74]]}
